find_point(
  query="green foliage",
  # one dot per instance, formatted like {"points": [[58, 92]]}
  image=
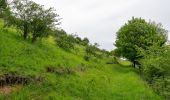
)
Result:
{"points": [[90, 50], [156, 68], [43, 22], [30, 17], [94, 51], [144, 43], [138, 34], [85, 41], [87, 57], [115, 53], [66, 42], [3, 6], [22, 12], [106, 53], [78, 40]]}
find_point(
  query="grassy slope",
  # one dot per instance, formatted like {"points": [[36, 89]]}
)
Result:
{"points": [[99, 82]]}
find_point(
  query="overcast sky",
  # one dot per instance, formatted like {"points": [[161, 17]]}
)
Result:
{"points": [[99, 20]]}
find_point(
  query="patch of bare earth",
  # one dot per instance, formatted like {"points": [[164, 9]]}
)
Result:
{"points": [[6, 90], [10, 82]]}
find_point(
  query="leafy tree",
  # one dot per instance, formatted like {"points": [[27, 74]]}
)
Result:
{"points": [[106, 53], [57, 33], [115, 53], [96, 45], [91, 49], [87, 57], [138, 34], [85, 41], [65, 42], [30, 17], [21, 15], [78, 40], [42, 22]]}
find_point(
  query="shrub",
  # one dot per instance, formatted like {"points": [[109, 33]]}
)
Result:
{"points": [[155, 69], [65, 42], [87, 57]]}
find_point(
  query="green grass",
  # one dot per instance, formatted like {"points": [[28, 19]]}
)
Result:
{"points": [[98, 82]]}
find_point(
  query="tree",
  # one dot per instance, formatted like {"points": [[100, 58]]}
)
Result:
{"points": [[65, 42], [138, 34], [22, 13], [85, 41], [115, 53], [43, 21], [78, 40], [31, 17], [105, 52], [91, 49]]}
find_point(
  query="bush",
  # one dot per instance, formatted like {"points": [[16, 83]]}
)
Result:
{"points": [[87, 57], [90, 50], [85, 41], [65, 42], [156, 69]]}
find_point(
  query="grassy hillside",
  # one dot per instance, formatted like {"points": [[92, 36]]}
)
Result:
{"points": [[93, 80]]}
